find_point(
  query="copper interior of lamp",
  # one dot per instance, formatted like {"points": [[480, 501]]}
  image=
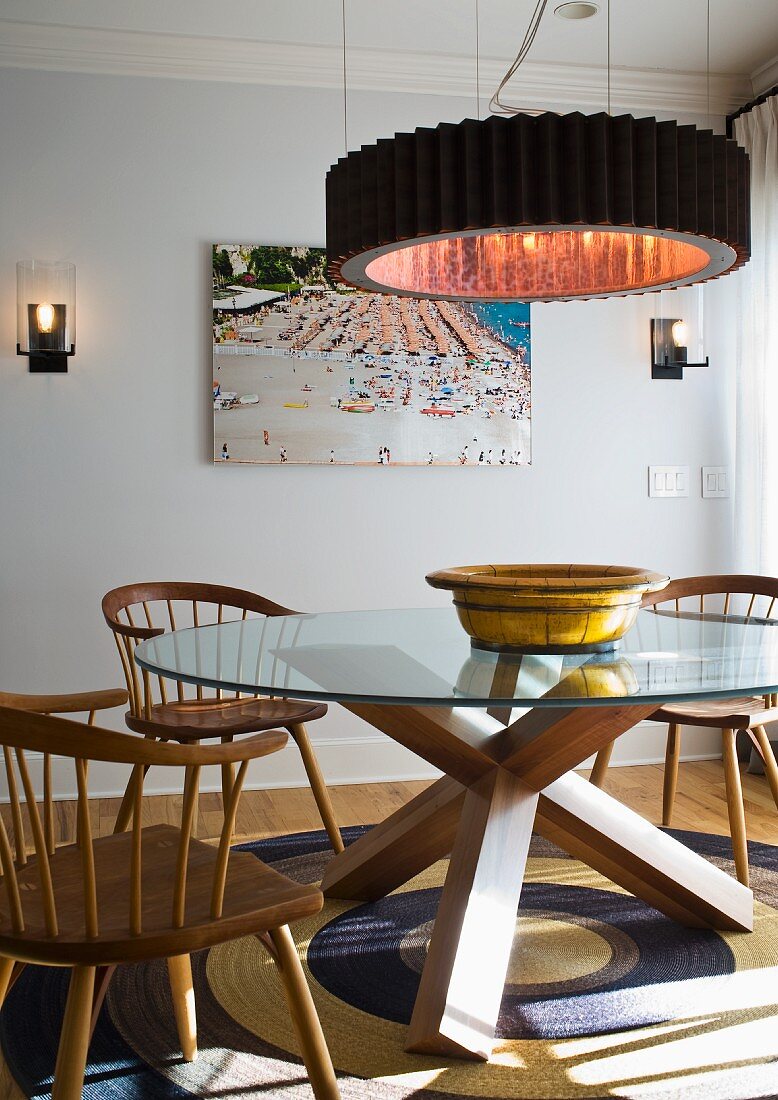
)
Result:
{"points": [[537, 264]]}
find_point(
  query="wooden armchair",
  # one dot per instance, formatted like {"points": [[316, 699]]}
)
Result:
{"points": [[143, 894], [746, 597], [136, 612]]}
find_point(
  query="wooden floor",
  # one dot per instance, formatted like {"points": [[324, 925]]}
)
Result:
{"points": [[700, 806], [700, 803]]}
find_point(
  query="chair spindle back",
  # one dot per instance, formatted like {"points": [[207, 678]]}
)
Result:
{"points": [[136, 612], [33, 910], [745, 597]]}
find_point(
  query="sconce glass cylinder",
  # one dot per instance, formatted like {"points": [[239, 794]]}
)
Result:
{"points": [[685, 304], [46, 313], [677, 331]]}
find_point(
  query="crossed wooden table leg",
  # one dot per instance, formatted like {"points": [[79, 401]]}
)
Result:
{"points": [[499, 784]]}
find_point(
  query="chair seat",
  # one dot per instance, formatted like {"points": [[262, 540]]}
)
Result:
{"points": [[199, 719], [256, 899], [742, 713]]}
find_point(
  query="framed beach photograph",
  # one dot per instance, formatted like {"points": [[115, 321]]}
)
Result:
{"points": [[305, 371]]}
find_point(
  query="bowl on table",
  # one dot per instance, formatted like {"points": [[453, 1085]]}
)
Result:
{"points": [[547, 608]]}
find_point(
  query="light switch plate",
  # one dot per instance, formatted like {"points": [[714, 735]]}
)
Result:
{"points": [[668, 481], [715, 481]]}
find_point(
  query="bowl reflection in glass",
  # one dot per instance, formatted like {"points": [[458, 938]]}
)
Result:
{"points": [[553, 676]]}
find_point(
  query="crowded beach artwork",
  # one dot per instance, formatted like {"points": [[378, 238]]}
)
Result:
{"points": [[305, 371]]}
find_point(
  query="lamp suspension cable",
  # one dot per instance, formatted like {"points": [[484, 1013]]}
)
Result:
{"points": [[477, 61], [345, 88], [608, 54], [496, 104], [707, 57]]}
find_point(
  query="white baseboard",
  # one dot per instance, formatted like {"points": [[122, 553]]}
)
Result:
{"points": [[368, 758], [645, 744]]}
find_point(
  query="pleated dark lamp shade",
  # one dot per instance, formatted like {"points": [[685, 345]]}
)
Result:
{"points": [[539, 208]]}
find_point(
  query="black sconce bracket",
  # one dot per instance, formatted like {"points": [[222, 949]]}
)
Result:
{"points": [[48, 362], [674, 370]]}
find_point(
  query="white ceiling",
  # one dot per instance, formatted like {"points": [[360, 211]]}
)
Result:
{"points": [[647, 36], [664, 34]]}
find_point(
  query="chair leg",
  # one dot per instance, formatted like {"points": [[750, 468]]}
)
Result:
{"points": [[737, 817], [602, 760], [103, 977], [74, 1041], [125, 809], [672, 755], [6, 970], [318, 786], [770, 766], [228, 776], [305, 1019], [180, 971]]}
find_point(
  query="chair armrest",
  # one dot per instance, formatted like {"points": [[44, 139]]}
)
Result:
{"points": [[73, 702], [243, 748], [44, 733]]}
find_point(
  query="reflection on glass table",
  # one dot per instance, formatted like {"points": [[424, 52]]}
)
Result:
{"points": [[422, 656]]}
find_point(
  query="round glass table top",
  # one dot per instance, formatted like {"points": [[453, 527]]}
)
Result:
{"points": [[423, 657]]}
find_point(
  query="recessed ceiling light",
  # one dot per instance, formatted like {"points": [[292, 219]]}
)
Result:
{"points": [[576, 11]]}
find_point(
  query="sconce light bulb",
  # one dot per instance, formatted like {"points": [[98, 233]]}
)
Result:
{"points": [[44, 315], [680, 332], [528, 240]]}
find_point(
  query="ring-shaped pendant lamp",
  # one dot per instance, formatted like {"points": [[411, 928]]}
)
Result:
{"points": [[539, 209]]}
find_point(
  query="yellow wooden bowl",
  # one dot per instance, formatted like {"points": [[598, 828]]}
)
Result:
{"points": [[557, 608]]}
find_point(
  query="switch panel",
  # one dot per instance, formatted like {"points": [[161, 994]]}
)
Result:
{"points": [[715, 481], [668, 481]]}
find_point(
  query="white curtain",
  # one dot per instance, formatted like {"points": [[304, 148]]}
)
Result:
{"points": [[756, 471]]}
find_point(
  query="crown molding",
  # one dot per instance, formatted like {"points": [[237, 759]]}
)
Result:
{"points": [[95, 50], [766, 76]]}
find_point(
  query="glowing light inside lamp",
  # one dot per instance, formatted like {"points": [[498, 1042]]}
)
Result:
{"points": [[44, 315], [535, 265], [680, 331]]}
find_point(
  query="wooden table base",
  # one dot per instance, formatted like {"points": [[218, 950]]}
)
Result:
{"points": [[502, 780]]}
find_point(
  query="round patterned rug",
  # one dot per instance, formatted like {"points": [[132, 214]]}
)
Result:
{"points": [[605, 998]]}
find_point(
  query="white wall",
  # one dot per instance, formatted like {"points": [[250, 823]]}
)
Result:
{"points": [[105, 474]]}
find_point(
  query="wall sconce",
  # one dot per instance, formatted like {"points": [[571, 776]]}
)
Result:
{"points": [[46, 314], [670, 336]]}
